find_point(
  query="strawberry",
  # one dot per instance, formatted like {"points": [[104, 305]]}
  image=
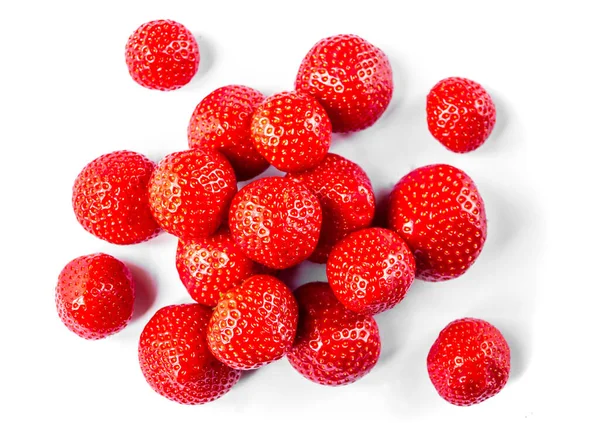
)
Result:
{"points": [[222, 121], [162, 55], [292, 131], [438, 211], [175, 359], [350, 77], [254, 323], [346, 196], [370, 270], [190, 192], [469, 362], [94, 296], [275, 221], [460, 114], [110, 198], [334, 346]]}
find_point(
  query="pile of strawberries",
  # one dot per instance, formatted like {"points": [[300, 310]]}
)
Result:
{"points": [[232, 243]]}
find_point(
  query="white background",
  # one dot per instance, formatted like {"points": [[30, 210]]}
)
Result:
{"points": [[67, 98]]}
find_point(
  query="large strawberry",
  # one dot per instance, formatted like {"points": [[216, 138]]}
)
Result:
{"points": [[350, 77], [175, 359], [438, 211]]}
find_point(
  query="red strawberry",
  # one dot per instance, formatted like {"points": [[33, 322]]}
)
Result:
{"points": [[460, 114], [222, 121], [438, 211], [292, 131], [275, 221], [350, 77], [253, 324], [346, 196], [110, 198], [162, 55], [370, 270], [469, 362], [334, 346], [190, 192], [175, 359], [94, 296]]}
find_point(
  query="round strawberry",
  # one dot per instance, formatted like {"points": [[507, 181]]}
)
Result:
{"points": [[438, 211], [190, 192], [162, 55], [370, 270], [334, 346], [460, 114], [175, 359], [275, 221], [94, 296], [346, 196], [350, 77], [222, 121], [292, 131], [254, 323], [110, 198], [469, 362]]}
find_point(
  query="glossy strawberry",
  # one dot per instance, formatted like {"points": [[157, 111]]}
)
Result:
{"points": [[275, 221], [438, 211], [253, 324], [175, 359], [350, 77], [222, 121], [94, 296], [469, 362], [292, 131], [110, 198], [190, 192], [334, 346], [346, 196], [370, 270], [460, 114], [162, 55]]}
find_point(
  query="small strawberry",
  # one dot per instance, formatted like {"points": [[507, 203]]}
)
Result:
{"points": [[334, 346], [162, 55], [222, 121], [275, 221], [438, 211], [94, 296], [175, 359], [346, 196], [460, 114], [350, 77], [292, 131], [253, 324], [110, 198], [469, 362], [190, 192], [370, 270]]}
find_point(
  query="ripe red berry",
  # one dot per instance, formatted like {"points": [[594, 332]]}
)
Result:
{"points": [[275, 221], [162, 55], [222, 121], [175, 359], [190, 192], [346, 196], [370, 270], [334, 346], [253, 324], [94, 296], [438, 211], [469, 362], [350, 77], [110, 198], [460, 114]]}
